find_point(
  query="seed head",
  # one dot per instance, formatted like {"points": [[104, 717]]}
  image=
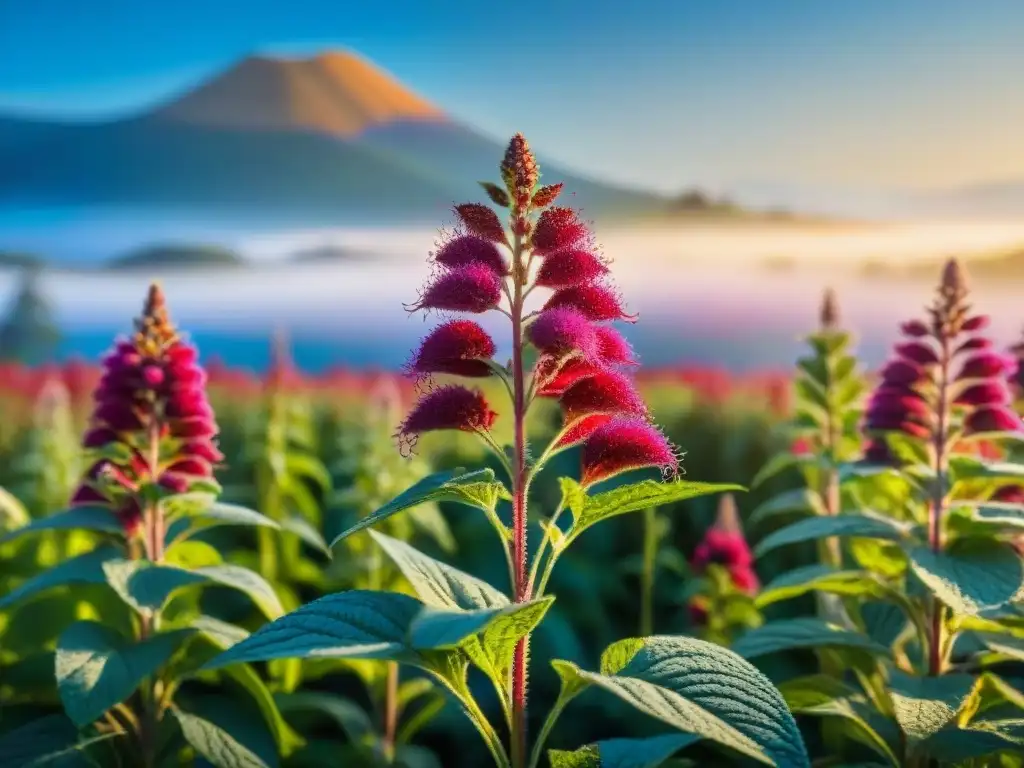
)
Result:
{"points": [[546, 195], [519, 171], [451, 407], [594, 301], [564, 331], [459, 347], [472, 288], [558, 228], [481, 221], [624, 444], [570, 267], [606, 392], [463, 250]]}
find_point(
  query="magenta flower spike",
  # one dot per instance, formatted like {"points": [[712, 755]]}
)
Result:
{"points": [[151, 405], [458, 347]]}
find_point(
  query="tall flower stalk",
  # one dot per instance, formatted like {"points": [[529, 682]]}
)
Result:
{"points": [[567, 350]]}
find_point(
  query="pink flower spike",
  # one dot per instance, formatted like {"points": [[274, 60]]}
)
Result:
{"points": [[596, 302], [986, 365], [472, 288], [975, 344], [613, 347], [914, 329], [726, 548], [582, 428], [558, 228], [458, 347], [556, 379], [464, 250], [604, 392], [901, 372], [624, 444], [563, 331], [996, 418], [573, 266], [449, 407], [991, 392], [917, 352]]}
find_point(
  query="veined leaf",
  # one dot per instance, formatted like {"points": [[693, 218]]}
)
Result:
{"points": [[789, 634], [435, 628], [822, 578], [953, 744], [925, 705], [83, 518], [802, 500], [638, 496], [475, 489], [43, 742], [778, 463], [970, 577], [147, 586], [86, 568], [97, 667], [218, 744], [679, 680], [302, 528], [219, 513], [623, 753], [813, 528]]}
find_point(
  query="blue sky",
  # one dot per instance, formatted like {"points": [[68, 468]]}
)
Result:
{"points": [[661, 93]]}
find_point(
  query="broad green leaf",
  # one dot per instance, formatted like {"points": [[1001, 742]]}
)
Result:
{"points": [[84, 569], [502, 627], [96, 667], [476, 489], [83, 518], [977, 740], [680, 681], [638, 496], [963, 468], [822, 578], [358, 624], [802, 500], [623, 753], [925, 705], [438, 584], [302, 528], [48, 741], [147, 586], [971, 576], [12, 512], [813, 528], [427, 519], [220, 513], [216, 744], [825, 696], [351, 718], [789, 634]]}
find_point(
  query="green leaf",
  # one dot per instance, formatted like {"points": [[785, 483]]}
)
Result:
{"points": [[302, 528], [357, 624], [778, 463], [810, 529], [790, 634], [44, 742], [216, 744], [12, 512], [680, 681], [347, 715], [925, 705], [822, 578], [623, 753], [438, 584], [639, 496], [86, 568], [802, 500], [97, 667], [953, 744], [971, 576], [84, 518], [476, 489], [219, 513], [306, 466], [501, 628], [147, 586]]}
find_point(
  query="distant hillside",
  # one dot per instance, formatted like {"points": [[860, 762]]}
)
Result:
{"points": [[176, 256], [20, 260], [1008, 266]]}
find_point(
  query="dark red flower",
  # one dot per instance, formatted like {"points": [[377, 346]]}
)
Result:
{"points": [[555, 376], [727, 548], [603, 392], [472, 288], [914, 328], [974, 344], [992, 392], [202, 448], [901, 372], [564, 331], [877, 451], [582, 428], [595, 301], [481, 221], [463, 250], [86, 495], [976, 323], [558, 228], [193, 428], [917, 352], [613, 347], [745, 579], [449, 407], [624, 444], [459, 347], [987, 365], [992, 419], [1009, 494], [572, 266], [192, 465]]}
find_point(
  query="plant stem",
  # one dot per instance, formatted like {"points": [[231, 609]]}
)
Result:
{"points": [[650, 554], [390, 725], [153, 532], [519, 492], [938, 502]]}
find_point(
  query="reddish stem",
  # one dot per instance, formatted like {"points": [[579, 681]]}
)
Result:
{"points": [[519, 491], [938, 501]]}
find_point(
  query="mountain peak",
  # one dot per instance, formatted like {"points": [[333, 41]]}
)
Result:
{"points": [[335, 92]]}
